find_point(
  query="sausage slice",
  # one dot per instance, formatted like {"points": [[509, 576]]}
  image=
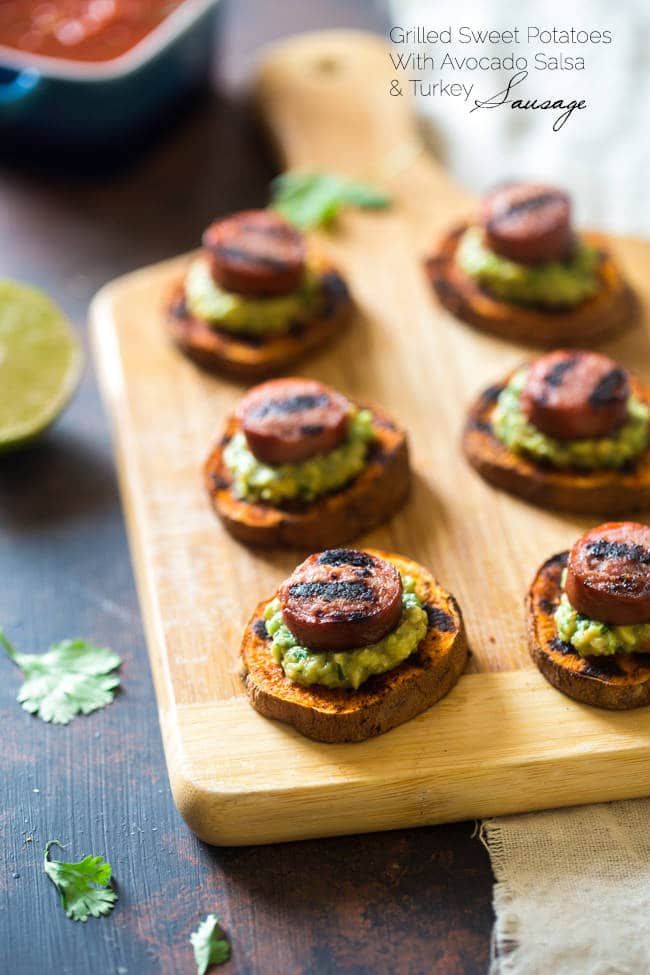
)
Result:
{"points": [[569, 395], [342, 599], [529, 223], [608, 573], [256, 252], [290, 420]]}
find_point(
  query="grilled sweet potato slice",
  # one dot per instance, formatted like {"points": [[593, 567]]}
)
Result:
{"points": [[612, 310], [367, 501], [619, 682], [384, 700], [605, 492], [251, 358]]}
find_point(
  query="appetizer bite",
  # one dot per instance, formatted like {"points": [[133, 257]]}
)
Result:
{"points": [[256, 299], [352, 644], [588, 617], [567, 431], [300, 465], [521, 271]]}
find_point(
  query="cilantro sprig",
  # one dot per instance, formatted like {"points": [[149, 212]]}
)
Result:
{"points": [[209, 944], [313, 199], [83, 887], [72, 677]]}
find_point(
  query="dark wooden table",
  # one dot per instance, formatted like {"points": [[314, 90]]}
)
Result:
{"points": [[411, 902]]}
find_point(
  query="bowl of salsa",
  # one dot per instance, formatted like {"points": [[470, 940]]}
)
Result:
{"points": [[92, 73]]}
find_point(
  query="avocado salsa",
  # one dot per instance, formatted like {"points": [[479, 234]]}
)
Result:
{"points": [[512, 427], [352, 667], [306, 480], [240, 314], [592, 638], [559, 284]]}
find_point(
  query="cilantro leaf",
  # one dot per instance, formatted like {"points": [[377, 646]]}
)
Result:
{"points": [[74, 882], [73, 677], [366, 197], [314, 199], [209, 944]]}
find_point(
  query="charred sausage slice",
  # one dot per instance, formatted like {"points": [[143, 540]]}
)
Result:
{"points": [[570, 395], [342, 599], [290, 420], [608, 573], [529, 223], [256, 253]]}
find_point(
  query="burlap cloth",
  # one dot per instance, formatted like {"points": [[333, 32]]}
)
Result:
{"points": [[572, 891]]}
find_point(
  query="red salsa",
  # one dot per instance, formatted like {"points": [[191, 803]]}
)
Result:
{"points": [[80, 30]]}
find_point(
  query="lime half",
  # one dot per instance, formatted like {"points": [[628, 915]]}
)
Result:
{"points": [[40, 363]]}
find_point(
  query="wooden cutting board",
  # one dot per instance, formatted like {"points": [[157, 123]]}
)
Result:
{"points": [[503, 740]]}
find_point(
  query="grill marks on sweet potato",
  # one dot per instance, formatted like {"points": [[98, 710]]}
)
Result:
{"points": [[548, 606], [335, 293], [590, 666], [259, 629], [438, 618]]}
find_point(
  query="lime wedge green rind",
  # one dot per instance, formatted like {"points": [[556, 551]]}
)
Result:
{"points": [[40, 363]]}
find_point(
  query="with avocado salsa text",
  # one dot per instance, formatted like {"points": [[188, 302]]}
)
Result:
{"points": [[605, 604]]}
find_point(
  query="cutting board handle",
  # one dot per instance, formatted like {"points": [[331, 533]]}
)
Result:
{"points": [[325, 99]]}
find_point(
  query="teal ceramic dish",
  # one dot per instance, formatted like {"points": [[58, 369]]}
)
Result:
{"points": [[52, 102]]}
